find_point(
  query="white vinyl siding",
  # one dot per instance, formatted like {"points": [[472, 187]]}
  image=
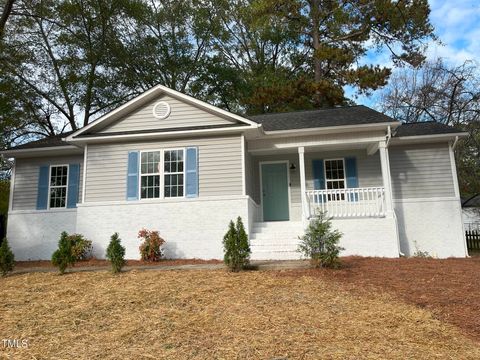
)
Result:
{"points": [[26, 178], [421, 171], [368, 167], [182, 115], [219, 158]]}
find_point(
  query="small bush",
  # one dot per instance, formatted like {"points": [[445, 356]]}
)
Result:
{"points": [[81, 248], [150, 249], [64, 256], [320, 243], [235, 246], [6, 258], [116, 253]]}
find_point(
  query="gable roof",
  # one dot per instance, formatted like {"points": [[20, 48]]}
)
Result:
{"points": [[425, 128], [149, 95], [329, 117]]}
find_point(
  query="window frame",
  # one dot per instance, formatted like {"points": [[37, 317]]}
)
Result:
{"points": [[344, 179], [184, 172], [161, 174], [57, 186]]}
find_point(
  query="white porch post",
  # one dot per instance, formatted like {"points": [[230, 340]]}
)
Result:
{"points": [[387, 180], [303, 187]]}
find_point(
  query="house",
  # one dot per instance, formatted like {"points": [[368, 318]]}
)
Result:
{"points": [[471, 213], [169, 162]]}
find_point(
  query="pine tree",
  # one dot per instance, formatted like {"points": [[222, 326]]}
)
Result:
{"points": [[63, 256], [236, 247], [116, 253]]}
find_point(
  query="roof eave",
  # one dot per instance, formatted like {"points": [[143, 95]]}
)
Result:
{"points": [[40, 151], [334, 129], [427, 137], [157, 135]]}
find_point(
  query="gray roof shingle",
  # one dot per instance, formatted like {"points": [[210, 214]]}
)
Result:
{"points": [[349, 115], [49, 141], [424, 128]]}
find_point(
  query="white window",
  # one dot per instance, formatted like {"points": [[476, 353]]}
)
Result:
{"points": [[58, 186], [156, 184], [173, 165], [150, 175], [335, 178], [334, 174]]}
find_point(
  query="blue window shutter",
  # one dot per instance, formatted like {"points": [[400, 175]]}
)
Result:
{"points": [[351, 175], [192, 172], [318, 177], [132, 175], [351, 172], [73, 182], [42, 194]]}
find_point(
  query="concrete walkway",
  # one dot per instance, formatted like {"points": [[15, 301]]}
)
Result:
{"points": [[254, 265]]}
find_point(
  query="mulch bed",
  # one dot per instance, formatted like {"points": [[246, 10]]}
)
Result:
{"points": [[101, 263], [449, 288]]}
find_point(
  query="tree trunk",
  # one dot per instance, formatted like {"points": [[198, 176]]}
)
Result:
{"points": [[314, 15], [7, 10]]}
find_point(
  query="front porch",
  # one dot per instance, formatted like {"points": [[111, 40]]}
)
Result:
{"points": [[345, 180], [348, 178]]}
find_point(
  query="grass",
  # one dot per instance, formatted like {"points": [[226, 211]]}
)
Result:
{"points": [[215, 314]]}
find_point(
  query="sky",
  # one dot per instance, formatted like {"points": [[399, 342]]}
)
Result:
{"points": [[457, 25]]}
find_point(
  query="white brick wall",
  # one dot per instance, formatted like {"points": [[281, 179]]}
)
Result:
{"points": [[432, 225], [192, 228], [33, 235]]}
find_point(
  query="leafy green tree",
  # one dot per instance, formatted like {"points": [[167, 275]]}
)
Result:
{"points": [[116, 253], [320, 243], [320, 46], [235, 246], [7, 259]]}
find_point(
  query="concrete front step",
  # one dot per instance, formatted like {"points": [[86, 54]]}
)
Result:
{"points": [[275, 255], [275, 240], [277, 226]]}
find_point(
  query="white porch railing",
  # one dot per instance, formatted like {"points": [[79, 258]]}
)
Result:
{"points": [[347, 203]]}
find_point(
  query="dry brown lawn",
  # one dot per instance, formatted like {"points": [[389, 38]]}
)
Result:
{"points": [[450, 288], [146, 314]]}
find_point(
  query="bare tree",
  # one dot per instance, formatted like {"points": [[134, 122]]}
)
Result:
{"points": [[445, 94]]}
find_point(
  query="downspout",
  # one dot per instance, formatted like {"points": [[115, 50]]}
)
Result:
{"points": [[389, 137], [455, 143]]}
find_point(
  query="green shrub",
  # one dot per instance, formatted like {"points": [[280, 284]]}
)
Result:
{"points": [[63, 256], [116, 253], [6, 258], [151, 248], [235, 246], [320, 243], [81, 248]]}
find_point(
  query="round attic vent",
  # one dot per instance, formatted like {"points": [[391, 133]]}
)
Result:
{"points": [[161, 110]]}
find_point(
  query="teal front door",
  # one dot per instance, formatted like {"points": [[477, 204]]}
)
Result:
{"points": [[275, 191]]}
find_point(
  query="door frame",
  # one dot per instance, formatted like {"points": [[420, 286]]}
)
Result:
{"points": [[287, 162]]}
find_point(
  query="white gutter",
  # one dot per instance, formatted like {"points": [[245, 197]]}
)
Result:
{"points": [[153, 135], [331, 129], [50, 149]]}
